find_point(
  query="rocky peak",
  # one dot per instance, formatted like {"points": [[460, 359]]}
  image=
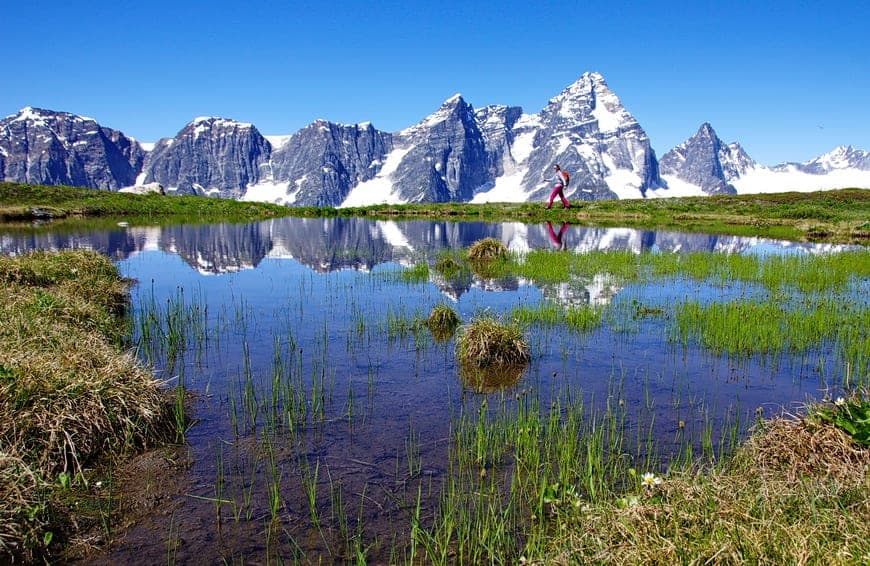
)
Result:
{"points": [[841, 157], [49, 147], [446, 157], [323, 161], [589, 102], [588, 131], [210, 156], [703, 160]]}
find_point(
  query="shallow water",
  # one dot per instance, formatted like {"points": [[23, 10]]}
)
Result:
{"points": [[314, 314]]}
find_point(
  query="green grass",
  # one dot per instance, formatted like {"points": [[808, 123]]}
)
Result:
{"points": [[564, 486], [25, 202], [831, 216]]}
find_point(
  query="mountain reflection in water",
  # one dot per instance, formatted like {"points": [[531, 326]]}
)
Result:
{"points": [[316, 303]]}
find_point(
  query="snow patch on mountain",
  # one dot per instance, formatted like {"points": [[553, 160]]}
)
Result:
{"points": [[277, 192], [277, 142], [676, 187], [380, 189], [507, 188]]}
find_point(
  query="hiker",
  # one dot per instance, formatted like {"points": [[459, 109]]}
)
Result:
{"points": [[561, 179], [558, 239]]}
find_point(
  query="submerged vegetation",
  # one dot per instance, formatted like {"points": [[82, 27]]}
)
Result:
{"points": [[69, 395]]}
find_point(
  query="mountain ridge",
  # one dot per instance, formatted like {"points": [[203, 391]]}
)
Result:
{"points": [[456, 153]]}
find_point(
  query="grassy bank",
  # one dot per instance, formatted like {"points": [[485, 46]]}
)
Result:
{"points": [[832, 216], [70, 397], [829, 216], [29, 202]]}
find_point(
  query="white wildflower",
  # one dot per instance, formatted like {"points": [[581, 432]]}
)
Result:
{"points": [[649, 479]]}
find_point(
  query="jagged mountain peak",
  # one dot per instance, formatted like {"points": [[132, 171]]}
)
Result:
{"points": [[841, 157], [705, 161], [203, 124], [588, 100], [60, 148], [453, 100], [706, 130], [41, 116], [453, 107]]}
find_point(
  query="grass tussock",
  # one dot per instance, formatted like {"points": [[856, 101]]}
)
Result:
{"points": [[797, 492], [487, 250], [443, 322], [487, 342], [448, 266], [68, 394]]}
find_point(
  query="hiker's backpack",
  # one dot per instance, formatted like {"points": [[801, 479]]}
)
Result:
{"points": [[566, 176]]}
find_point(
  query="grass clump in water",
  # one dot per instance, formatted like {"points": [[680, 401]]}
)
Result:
{"points": [[487, 250], [68, 395], [443, 322], [487, 342], [449, 266]]}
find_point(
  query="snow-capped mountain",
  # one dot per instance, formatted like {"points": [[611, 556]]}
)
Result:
{"points": [[586, 130], [706, 162], [58, 148], [457, 153], [842, 157], [442, 158], [704, 165]]}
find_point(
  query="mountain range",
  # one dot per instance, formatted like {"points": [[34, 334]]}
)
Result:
{"points": [[457, 153]]}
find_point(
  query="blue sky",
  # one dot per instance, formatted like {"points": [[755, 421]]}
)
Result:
{"points": [[789, 80]]}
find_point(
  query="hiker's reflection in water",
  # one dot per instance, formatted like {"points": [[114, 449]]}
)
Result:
{"points": [[558, 239]]}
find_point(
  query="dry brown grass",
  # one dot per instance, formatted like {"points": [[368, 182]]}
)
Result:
{"points": [[797, 492], [793, 450], [68, 395], [486, 342]]}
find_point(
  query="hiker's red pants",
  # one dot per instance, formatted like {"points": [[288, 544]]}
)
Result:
{"points": [[557, 190]]}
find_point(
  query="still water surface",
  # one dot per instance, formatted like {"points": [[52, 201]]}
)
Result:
{"points": [[321, 303]]}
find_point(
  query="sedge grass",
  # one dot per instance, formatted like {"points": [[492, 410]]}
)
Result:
{"points": [[795, 492], [563, 487]]}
